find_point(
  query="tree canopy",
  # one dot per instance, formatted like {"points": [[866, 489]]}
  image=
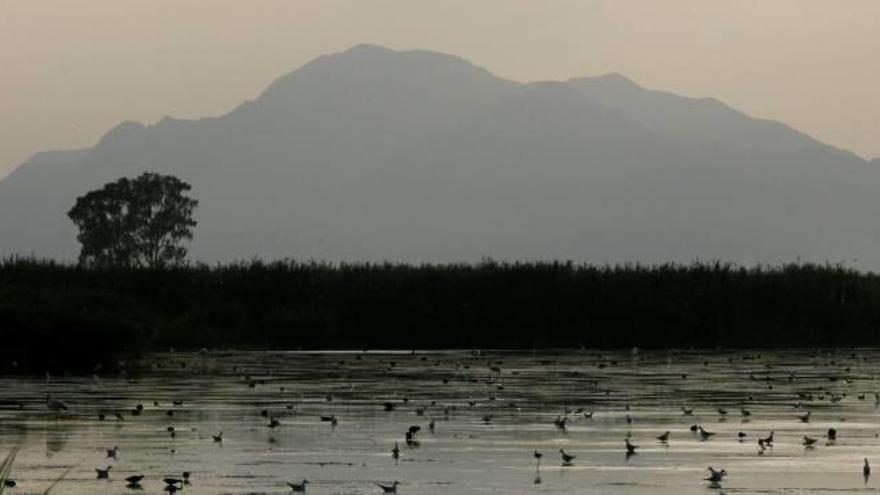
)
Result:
{"points": [[135, 222]]}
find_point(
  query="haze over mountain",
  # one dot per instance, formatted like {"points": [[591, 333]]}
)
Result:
{"points": [[373, 154]]}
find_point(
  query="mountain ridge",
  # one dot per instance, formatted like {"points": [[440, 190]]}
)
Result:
{"points": [[376, 154]]}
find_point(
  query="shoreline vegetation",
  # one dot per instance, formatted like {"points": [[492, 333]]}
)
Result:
{"points": [[60, 317]]}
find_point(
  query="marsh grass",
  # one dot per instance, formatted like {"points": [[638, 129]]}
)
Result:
{"points": [[67, 317]]}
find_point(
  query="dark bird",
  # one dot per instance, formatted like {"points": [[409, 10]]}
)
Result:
{"points": [[630, 448], [588, 415], [392, 488], [273, 423], [134, 480], [866, 469], [809, 441], [118, 417], [218, 437], [716, 476], [832, 434], [395, 452], [8, 483], [538, 456], [103, 473], [566, 458], [113, 452], [55, 405], [559, 422], [186, 477], [664, 437], [705, 434], [687, 412], [432, 425], [298, 487]]}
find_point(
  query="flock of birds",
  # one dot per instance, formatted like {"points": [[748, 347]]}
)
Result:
{"points": [[715, 476]]}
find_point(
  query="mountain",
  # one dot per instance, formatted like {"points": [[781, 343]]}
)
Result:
{"points": [[374, 154]]}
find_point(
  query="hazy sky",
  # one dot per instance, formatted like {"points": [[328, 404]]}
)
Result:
{"points": [[70, 70]]}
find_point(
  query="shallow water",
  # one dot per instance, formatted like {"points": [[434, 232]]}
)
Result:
{"points": [[465, 455]]}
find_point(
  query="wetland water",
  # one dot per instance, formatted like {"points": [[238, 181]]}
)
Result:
{"points": [[488, 423]]}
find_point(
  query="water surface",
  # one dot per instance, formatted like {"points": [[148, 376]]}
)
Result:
{"points": [[488, 422]]}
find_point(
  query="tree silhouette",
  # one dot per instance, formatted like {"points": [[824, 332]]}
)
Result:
{"points": [[135, 222]]}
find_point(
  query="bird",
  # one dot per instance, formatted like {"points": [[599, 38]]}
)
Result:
{"points": [[832, 434], [55, 405], [8, 483], [716, 476], [273, 423], [186, 477], [664, 437], [741, 436], [687, 412], [392, 488], [173, 481], [432, 425], [866, 469], [630, 448], [218, 437], [559, 422], [298, 487], [134, 480], [588, 415], [768, 441], [705, 434], [113, 452], [389, 406], [809, 441], [103, 473], [745, 412], [538, 456], [395, 452], [722, 411], [805, 418], [566, 458]]}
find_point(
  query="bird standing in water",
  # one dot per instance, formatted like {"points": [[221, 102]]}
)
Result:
{"points": [[566, 458], [298, 487], [392, 488], [866, 469]]}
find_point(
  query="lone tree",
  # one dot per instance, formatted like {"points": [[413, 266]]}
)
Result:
{"points": [[135, 222]]}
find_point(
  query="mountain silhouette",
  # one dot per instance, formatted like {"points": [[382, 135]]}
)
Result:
{"points": [[374, 154]]}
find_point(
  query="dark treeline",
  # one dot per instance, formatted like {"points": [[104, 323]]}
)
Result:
{"points": [[55, 316]]}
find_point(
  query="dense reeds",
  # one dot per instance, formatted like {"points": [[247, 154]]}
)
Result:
{"points": [[55, 316]]}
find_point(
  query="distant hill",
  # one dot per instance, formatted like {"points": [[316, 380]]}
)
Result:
{"points": [[373, 154]]}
